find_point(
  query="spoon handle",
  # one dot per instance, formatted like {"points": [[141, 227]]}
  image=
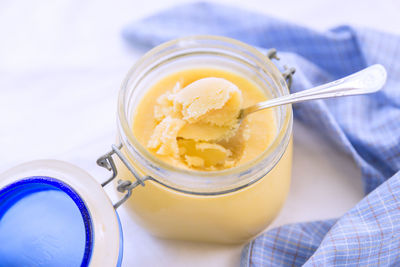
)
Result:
{"points": [[368, 80]]}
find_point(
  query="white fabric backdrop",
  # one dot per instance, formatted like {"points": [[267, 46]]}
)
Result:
{"points": [[61, 64]]}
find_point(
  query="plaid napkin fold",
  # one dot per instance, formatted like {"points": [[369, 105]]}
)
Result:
{"points": [[366, 127]]}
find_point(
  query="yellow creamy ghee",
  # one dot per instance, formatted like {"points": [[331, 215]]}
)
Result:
{"points": [[185, 138]]}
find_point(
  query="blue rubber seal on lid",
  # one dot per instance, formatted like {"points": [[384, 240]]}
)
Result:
{"points": [[43, 221]]}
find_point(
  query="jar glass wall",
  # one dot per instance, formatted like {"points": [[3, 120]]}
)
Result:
{"points": [[225, 206]]}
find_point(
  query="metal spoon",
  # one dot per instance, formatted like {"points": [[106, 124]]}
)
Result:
{"points": [[368, 80]]}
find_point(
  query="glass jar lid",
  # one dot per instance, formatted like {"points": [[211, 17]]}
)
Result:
{"points": [[53, 213]]}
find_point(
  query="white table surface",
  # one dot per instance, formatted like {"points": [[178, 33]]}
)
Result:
{"points": [[61, 64]]}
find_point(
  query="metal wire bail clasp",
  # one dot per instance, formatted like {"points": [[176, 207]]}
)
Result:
{"points": [[288, 72], [106, 161]]}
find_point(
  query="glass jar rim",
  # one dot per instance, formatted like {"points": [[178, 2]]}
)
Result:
{"points": [[130, 141]]}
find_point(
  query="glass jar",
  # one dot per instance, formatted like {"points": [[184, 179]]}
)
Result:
{"points": [[225, 206]]}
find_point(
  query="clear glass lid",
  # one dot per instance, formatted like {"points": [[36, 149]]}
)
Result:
{"points": [[54, 214]]}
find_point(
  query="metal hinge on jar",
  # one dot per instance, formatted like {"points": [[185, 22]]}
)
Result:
{"points": [[288, 72], [106, 161]]}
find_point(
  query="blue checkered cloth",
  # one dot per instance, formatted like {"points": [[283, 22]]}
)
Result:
{"points": [[366, 127]]}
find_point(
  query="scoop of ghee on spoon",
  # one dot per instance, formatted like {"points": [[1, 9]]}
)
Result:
{"points": [[194, 120], [368, 80]]}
